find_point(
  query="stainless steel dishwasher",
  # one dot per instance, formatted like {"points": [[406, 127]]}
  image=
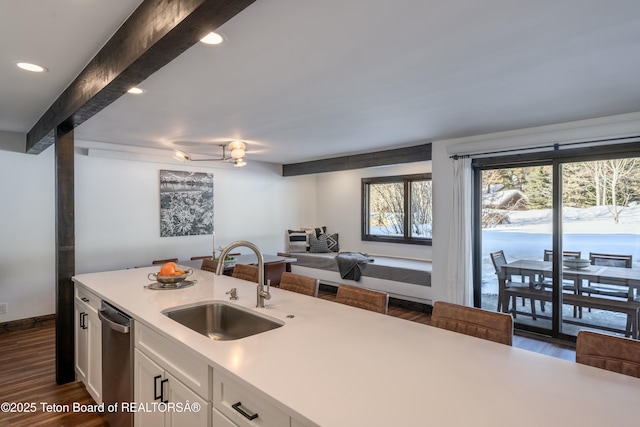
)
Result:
{"points": [[117, 363]]}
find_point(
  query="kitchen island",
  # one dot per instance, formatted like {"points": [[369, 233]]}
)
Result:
{"points": [[332, 365]]}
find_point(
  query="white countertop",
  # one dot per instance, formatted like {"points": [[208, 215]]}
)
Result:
{"points": [[338, 366]]}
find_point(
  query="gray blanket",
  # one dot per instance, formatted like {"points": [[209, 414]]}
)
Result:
{"points": [[350, 264]]}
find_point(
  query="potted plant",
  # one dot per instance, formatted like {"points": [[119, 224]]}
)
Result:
{"points": [[229, 260]]}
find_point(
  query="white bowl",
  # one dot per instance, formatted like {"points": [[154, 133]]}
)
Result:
{"points": [[576, 263]]}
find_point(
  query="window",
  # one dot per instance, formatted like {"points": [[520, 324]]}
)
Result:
{"points": [[397, 209]]}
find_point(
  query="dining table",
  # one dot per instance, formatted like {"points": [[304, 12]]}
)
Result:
{"points": [[241, 259], [628, 279], [534, 269]]}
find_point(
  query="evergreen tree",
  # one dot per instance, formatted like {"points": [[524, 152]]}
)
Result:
{"points": [[538, 188]]}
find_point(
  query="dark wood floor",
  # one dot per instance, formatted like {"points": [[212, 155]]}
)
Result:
{"points": [[27, 372], [27, 375]]}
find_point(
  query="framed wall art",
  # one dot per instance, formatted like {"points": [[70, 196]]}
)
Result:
{"points": [[186, 203]]}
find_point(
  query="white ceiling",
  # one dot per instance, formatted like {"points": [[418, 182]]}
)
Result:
{"points": [[302, 80]]}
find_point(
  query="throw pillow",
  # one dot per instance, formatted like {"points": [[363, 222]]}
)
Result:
{"points": [[316, 231], [332, 242], [297, 241], [318, 244]]}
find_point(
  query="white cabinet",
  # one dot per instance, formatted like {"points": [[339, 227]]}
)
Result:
{"points": [[166, 374], [88, 342], [148, 387], [244, 407], [165, 398], [220, 420], [161, 370]]}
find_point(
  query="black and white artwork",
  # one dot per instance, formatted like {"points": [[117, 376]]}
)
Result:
{"points": [[186, 203]]}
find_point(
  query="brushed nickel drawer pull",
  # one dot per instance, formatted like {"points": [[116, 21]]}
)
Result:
{"points": [[247, 414]]}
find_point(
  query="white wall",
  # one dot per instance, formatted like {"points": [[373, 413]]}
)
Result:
{"points": [[118, 211], [339, 207], [117, 218], [27, 234], [605, 127]]}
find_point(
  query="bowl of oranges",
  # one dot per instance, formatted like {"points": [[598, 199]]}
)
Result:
{"points": [[170, 274]]}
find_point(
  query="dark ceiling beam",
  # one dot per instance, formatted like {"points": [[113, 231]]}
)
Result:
{"points": [[157, 32], [418, 153]]}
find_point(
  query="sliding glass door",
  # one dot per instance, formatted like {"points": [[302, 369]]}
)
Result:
{"points": [[516, 224], [583, 205], [601, 225]]}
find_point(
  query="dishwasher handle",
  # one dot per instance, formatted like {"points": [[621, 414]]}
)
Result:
{"points": [[110, 318]]}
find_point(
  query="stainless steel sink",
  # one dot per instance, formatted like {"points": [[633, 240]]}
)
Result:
{"points": [[221, 321]]}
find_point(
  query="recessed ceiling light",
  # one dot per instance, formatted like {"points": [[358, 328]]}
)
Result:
{"points": [[212, 38], [136, 90], [30, 67]]}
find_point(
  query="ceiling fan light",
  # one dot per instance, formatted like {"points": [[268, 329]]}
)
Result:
{"points": [[233, 145], [181, 156], [237, 153], [239, 163]]}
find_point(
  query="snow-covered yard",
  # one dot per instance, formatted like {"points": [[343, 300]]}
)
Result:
{"points": [[529, 233]]}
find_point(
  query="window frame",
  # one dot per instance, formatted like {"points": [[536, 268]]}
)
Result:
{"points": [[364, 219]]}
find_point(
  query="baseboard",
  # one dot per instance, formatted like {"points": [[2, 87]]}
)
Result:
{"points": [[28, 323]]}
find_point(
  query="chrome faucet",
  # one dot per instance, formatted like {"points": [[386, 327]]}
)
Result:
{"points": [[261, 293]]}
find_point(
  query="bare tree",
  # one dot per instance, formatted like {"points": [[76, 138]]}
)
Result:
{"points": [[387, 206], [621, 173]]}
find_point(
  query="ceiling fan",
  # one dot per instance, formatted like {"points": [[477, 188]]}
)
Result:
{"points": [[236, 149]]}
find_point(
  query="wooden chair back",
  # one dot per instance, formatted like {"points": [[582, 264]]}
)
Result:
{"points": [[498, 259], [608, 352], [488, 325], [301, 284], [164, 261], [195, 258], [273, 272], [363, 298], [209, 264], [611, 260], [245, 272], [548, 254]]}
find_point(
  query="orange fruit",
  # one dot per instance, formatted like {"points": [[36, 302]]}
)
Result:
{"points": [[168, 269]]}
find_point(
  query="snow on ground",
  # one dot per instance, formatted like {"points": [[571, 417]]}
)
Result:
{"points": [[587, 230], [594, 220]]}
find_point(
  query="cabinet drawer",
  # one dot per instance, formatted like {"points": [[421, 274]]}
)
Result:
{"points": [[88, 297], [185, 366], [220, 420], [232, 399]]}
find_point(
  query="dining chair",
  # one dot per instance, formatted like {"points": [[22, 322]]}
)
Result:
{"points": [[273, 272], [611, 260], [608, 352], [301, 284], [209, 264], [476, 322], [499, 259], [548, 254], [610, 289], [367, 299], [286, 255], [245, 272], [163, 261], [195, 258]]}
